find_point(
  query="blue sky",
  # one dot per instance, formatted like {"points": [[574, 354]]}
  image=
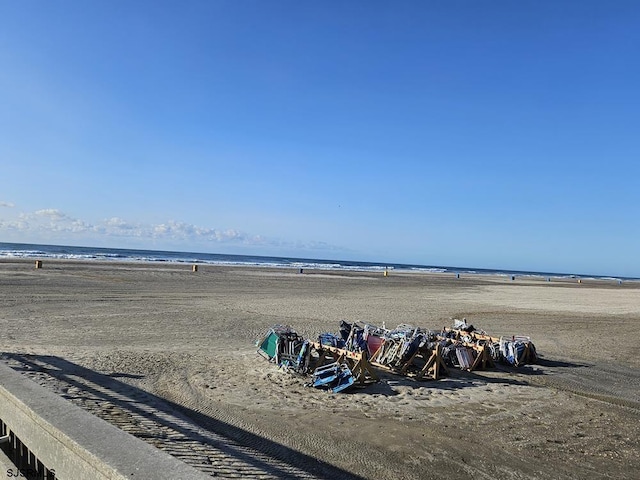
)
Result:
{"points": [[495, 134]]}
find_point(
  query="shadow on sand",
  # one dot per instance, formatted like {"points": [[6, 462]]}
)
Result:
{"points": [[550, 363], [455, 380], [261, 456]]}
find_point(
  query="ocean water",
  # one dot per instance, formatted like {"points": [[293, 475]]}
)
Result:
{"points": [[33, 251]]}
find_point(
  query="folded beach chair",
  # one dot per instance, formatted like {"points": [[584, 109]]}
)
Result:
{"points": [[331, 340], [465, 357], [345, 380], [269, 344], [325, 375], [517, 351], [335, 376]]}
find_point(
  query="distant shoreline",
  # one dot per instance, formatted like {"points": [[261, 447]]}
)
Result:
{"points": [[32, 252], [204, 268]]}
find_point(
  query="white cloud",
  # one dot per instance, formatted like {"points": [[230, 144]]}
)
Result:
{"points": [[186, 231], [51, 221], [7, 204], [50, 212], [50, 224], [118, 224]]}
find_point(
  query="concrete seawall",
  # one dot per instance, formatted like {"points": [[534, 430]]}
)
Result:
{"points": [[69, 441]]}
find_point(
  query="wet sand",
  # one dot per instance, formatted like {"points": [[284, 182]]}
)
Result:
{"points": [[183, 342]]}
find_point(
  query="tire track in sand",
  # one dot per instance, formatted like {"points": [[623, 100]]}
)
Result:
{"points": [[208, 444]]}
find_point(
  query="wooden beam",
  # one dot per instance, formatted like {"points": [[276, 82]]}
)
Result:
{"points": [[358, 362]]}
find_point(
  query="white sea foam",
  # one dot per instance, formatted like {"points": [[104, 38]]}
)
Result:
{"points": [[24, 251], [428, 269]]}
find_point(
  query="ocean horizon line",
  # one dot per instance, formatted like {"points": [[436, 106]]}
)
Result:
{"points": [[76, 252]]}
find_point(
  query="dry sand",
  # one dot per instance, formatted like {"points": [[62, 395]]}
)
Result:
{"points": [[169, 355]]}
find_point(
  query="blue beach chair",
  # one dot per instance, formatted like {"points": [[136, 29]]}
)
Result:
{"points": [[323, 376], [345, 380]]}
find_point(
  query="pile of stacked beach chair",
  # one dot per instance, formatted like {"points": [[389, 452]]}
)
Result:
{"points": [[333, 366], [351, 356], [406, 350], [468, 348]]}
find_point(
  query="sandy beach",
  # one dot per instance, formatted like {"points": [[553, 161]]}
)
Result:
{"points": [[168, 354]]}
